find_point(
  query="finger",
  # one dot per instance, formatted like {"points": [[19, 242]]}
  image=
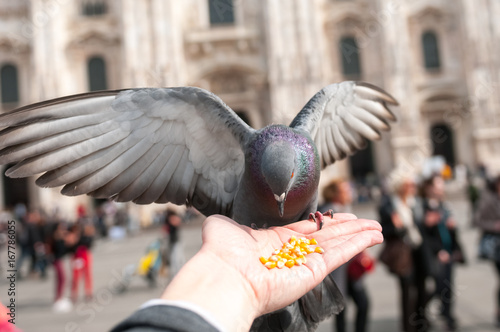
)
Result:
{"points": [[216, 220], [344, 251], [342, 216], [215, 225], [347, 227], [341, 252], [303, 227], [307, 227]]}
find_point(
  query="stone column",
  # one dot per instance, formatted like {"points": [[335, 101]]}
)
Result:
{"points": [[481, 41], [294, 60], [408, 143]]}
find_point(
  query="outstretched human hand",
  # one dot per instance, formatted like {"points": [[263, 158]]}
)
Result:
{"points": [[227, 278]]}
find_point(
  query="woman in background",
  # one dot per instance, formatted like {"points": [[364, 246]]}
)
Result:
{"points": [[338, 197], [440, 234], [58, 250], [400, 214], [81, 237]]}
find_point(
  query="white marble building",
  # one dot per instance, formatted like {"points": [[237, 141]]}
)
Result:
{"points": [[266, 58]]}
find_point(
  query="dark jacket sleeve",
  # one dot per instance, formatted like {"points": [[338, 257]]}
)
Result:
{"points": [[386, 210], [164, 318], [432, 235], [432, 239]]}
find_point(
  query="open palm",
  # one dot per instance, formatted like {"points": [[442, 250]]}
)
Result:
{"points": [[342, 237]]}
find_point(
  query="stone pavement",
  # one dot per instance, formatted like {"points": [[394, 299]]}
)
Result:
{"points": [[475, 283]]}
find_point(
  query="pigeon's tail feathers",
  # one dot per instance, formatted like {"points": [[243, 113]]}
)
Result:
{"points": [[306, 313]]}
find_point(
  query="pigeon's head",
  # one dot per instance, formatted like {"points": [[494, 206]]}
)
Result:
{"points": [[278, 166]]}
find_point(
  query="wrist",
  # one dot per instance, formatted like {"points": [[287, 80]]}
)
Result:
{"points": [[212, 284]]}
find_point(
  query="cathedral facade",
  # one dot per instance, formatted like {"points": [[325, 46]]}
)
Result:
{"points": [[265, 59]]}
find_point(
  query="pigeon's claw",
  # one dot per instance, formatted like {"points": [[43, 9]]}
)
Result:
{"points": [[317, 217], [329, 213], [256, 227]]}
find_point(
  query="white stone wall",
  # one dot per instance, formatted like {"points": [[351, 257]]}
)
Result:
{"points": [[276, 55]]}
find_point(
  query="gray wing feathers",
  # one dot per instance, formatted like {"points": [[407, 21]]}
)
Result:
{"points": [[341, 117], [144, 145]]}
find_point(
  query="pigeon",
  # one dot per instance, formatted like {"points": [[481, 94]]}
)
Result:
{"points": [[186, 146]]}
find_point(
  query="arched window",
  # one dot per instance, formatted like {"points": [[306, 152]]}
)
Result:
{"points": [[442, 142], [221, 11], [96, 68], [9, 84], [431, 50], [362, 163], [94, 8], [349, 53]]}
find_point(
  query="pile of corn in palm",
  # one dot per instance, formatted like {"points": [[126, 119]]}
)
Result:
{"points": [[292, 253]]}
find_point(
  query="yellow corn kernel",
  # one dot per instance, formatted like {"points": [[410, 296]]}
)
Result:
{"points": [[319, 250], [270, 265], [292, 253]]}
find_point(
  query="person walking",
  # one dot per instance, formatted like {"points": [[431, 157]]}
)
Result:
{"points": [[58, 249], [338, 197], [487, 219], [174, 256], [440, 234], [400, 215], [80, 238], [38, 240]]}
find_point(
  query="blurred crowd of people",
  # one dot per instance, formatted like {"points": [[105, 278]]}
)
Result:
{"points": [[44, 240], [421, 247], [47, 241], [421, 243]]}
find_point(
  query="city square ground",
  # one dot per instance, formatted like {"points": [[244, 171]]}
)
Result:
{"points": [[476, 286]]}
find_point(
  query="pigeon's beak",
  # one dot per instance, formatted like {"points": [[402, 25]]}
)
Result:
{"points": [[281, 203]]}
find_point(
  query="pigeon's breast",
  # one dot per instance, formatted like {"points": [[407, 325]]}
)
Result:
{"points": [[256, 191]]}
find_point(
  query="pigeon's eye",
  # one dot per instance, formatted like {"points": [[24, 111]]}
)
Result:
{"points": [[291, 176]]}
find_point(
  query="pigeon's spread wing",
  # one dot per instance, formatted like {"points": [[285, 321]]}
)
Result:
{"points": [[341, 117], [144, 145]]}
